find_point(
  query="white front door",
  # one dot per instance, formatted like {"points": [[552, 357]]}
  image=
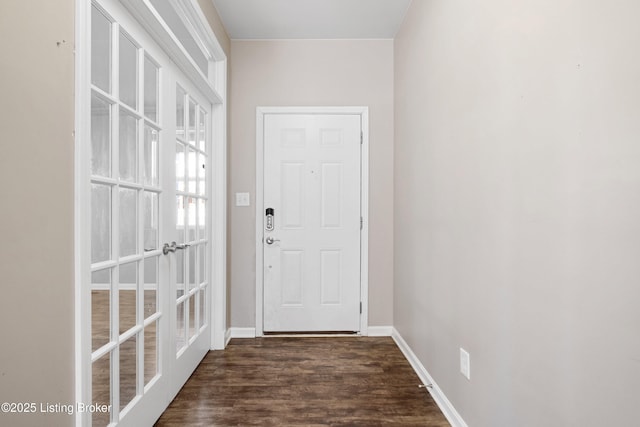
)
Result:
{"points": [[312, 222]]}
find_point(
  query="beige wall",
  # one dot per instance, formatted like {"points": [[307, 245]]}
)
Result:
{"points": [[311, 73], [216, 25], [517, 192], [36, 185]]}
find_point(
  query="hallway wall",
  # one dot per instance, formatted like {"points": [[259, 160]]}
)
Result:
{"points": [[311, 73], [517, 194], [36, 184]]}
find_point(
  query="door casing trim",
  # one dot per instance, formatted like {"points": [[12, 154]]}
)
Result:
{"points": [[363, 112]]}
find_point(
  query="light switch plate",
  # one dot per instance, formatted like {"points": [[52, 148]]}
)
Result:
{"points": [[242, 199], [465, 363]]}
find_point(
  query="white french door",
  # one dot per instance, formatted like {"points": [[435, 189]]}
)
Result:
{"points": [[189, 256], [312, 222], [146, 303]]}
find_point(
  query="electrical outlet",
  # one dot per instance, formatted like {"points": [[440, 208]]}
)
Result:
{"points": [[465, 363]]}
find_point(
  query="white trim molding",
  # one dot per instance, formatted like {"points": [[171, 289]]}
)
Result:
{"points": [[82, 209], [380, 331], [438, 395], [227, 338], [218, 293], [241, 333], [363, 112]]}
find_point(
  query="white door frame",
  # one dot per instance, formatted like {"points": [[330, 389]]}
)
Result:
{"points": [[363, 112], [214, 87]]}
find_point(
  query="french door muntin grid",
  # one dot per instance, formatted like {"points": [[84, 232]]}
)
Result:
{"points": [[191, 272], [101, 367], [129, 185]]}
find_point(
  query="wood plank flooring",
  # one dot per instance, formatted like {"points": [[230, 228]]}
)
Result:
{"points": [[302, 381]]}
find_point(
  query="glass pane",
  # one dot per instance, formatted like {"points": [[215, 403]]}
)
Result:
{"points": [[101, 389], [202, 216], [100, 50], [150, 211], [100, 308], [201, 174], [203, 304], [128, 147], [150, 156], [180, 327], [128, 222], [192, 266], [100, 137], [128, 371], [180, 218], [150, 286], [180, 273], [191, 226], [191, 169], [192, 122], [150, 352], [192, 316], [180, 94], [202, 131], [128, 290], [100, 223], [128, 72], [180, 176], [150, 89], [180, 258], [202, 252]]}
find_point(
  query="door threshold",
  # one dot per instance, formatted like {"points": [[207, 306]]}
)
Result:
{"points": [[319, 334]]}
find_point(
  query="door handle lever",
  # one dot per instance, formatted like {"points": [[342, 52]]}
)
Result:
{"points": [[270, 240], [173, 247]]}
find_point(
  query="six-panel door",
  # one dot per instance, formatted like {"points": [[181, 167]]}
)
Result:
{"points": [[312, 255]]}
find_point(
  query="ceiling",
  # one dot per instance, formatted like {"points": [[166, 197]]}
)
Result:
{"points": [[312, 19]]}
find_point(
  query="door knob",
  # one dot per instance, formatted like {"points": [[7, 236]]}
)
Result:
{"points": [[270, 240], [173, 247]]}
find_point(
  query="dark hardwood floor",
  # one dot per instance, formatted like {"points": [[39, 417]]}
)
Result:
{"points": [[302, 381]]}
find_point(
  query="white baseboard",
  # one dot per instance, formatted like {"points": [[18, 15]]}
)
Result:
{"points": [[227, 337], [379, 331], [441, 400], [241, 332]]}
